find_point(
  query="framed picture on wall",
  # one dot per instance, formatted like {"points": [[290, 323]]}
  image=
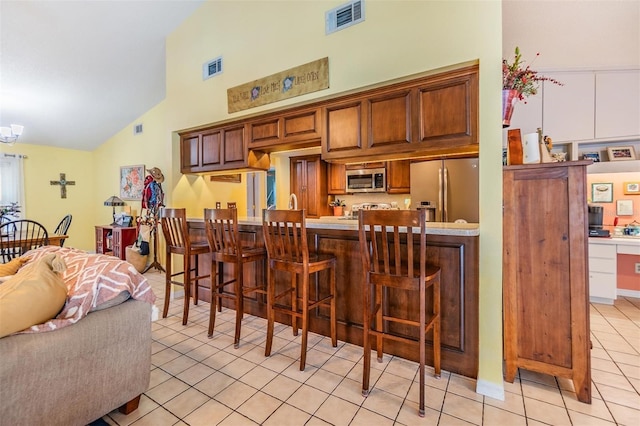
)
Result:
{"points": [[631, 188], [131, 182], [602, 192]]}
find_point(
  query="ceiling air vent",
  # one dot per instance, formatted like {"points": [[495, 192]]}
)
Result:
{"points": [[137, 129], [344, 16], [211, 68]]}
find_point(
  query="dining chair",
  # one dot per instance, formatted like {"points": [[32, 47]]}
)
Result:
{"points": [[19, 236], [393, 251], [63, 227], [285, 237], [177, 241], [227, 247]]}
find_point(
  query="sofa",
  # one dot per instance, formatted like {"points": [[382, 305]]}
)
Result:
{"points": [[76, 368]]}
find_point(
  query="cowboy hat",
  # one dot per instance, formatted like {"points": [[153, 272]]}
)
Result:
{"points": [[157, 174]]}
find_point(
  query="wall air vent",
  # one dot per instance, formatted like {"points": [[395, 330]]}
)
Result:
{"points": [[212, 68], [344, 16], [137, 129]]}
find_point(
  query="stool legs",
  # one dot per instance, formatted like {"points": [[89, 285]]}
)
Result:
{"points": [[299, 309], [167, 286], [217, 284]]}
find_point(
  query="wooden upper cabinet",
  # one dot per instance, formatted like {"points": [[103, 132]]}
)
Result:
{"points": [[344, 129], [336, 179], [448, 111], [389, 121], [399, 177], [299, 128], [221, 148], [427, 117], [234, 146], [200, 151]]}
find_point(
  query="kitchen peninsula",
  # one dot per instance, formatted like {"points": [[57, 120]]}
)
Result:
{"points": [[452, 246]]}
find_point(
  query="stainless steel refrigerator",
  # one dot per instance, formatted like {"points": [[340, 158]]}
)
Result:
{"points": [[450, 185]]}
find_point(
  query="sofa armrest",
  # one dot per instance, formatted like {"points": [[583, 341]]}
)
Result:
{"points": [[78, 373]]}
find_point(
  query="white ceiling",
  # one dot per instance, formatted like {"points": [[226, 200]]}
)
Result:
{"points": [[74, 73]]}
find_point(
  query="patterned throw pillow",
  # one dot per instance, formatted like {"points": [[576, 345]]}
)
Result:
{"points": [[12, 267]]}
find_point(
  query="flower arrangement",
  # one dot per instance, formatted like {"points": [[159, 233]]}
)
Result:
{"points": [[337, 203], [522, 79], [13, 209]]}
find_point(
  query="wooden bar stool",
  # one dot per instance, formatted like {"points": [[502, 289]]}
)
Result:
{"points": [[176, 235], [391, 267], [226, 246], [285, 237]]}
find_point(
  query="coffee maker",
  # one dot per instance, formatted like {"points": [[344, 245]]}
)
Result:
{"points": [[595, 221]]}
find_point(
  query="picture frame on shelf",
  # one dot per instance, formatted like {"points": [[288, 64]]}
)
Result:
{"points": [[594, 156], [631, 188], [602, 192], [132, 182], [621, 153]]}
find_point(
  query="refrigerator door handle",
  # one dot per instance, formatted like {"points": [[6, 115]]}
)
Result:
{"points": [[445, 195], [440, 199]]}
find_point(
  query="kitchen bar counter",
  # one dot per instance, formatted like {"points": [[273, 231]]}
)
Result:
{"points": [[452, 246], [340, 223]]}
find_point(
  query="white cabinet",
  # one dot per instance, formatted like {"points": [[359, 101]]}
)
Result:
{"points": [[617, 104], [568, 110], [602, 272]]}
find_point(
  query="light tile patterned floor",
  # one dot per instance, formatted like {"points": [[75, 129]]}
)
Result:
{"points": [[201, 381]]}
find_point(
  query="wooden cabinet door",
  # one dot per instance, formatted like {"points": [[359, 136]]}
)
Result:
{"points": [[264, 132], [389, 121], [336, 179], [308, 181], [190, 153], [344, 129], [398, 177], [211, 150], [448, 111], [568, 110], [302, 126], [234, 146]]}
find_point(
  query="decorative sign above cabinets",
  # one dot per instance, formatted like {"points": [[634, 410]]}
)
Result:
{"points": [[293, 82]]}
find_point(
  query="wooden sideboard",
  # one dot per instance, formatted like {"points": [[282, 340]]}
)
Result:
{"points": [[545, 272], [114, 240]]}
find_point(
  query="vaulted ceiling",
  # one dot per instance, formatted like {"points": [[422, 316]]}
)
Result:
{"points": [[74, 73]]}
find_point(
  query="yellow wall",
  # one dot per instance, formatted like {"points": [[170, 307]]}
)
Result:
{"points": [[44, 164], [259, 38]]}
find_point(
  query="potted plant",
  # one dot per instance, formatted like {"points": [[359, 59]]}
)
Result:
{"points": [[518, 83], [338, 206]]}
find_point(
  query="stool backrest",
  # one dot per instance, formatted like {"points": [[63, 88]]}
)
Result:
{"points": [[222, 231], [174, 229], [388, 242], [285, 235]]}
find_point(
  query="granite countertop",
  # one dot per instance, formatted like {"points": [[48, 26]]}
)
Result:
{"points": [[340, 223]]}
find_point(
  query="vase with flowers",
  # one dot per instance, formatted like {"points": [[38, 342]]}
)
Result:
{"points": [[518, 83]]}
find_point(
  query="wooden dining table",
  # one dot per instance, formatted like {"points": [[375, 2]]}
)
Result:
{"points": [[8, 244]]}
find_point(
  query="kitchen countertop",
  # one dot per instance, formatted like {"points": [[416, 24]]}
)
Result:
{"points": [[335, 222]]}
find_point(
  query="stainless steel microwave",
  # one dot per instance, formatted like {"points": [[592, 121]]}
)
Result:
{"points": [[367, 180]]}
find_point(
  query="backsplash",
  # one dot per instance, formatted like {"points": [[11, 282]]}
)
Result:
{"points": [[618, 182]]}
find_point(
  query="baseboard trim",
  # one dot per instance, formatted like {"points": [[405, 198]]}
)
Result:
{"points": [[601, 300], [490, 389], [628, 293]]}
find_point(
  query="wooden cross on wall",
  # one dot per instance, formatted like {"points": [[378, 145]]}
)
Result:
{"points": [[63, 182]]}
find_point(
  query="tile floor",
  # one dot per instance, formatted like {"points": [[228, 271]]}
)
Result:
{"points": [[201, 381]]}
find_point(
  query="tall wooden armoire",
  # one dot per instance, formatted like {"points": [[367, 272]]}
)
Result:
{"points": [[545, 272]]}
